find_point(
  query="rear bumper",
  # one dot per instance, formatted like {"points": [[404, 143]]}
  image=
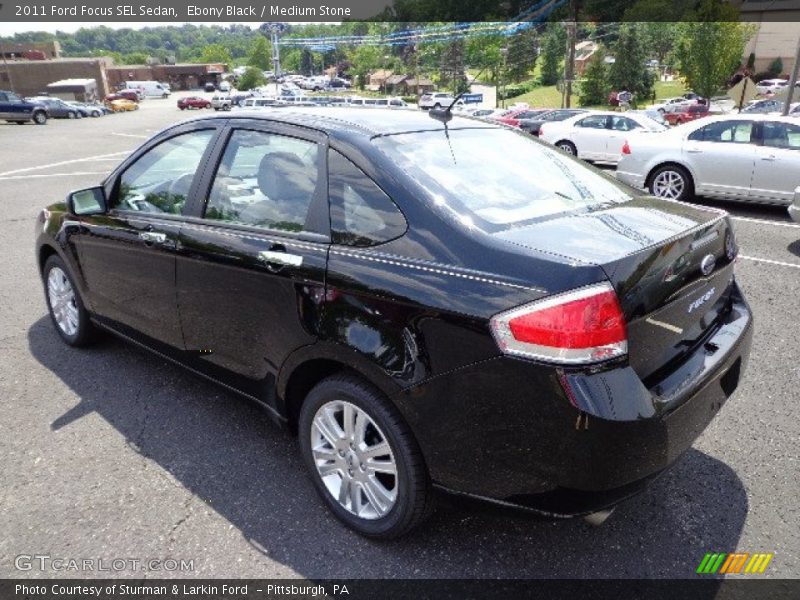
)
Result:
{"points": [[636, 180], [565, 444]]}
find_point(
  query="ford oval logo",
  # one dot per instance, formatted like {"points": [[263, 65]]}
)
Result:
{"points": [[707, 264]]}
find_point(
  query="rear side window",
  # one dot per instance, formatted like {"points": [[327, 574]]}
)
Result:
{"points": [[361, 212]]}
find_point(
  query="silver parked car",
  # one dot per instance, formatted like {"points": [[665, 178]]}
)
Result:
{"points": [[744, 157]]}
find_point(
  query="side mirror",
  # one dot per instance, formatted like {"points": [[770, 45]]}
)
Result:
{"points": [[91, 201]]}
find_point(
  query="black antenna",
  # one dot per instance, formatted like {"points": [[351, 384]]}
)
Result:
{"points": [[445, 115]]}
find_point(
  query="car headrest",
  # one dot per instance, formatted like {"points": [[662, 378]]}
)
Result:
{"points": [[283, 177]]}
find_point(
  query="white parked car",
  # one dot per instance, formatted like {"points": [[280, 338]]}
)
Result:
{"points": [[671, 105], [436, 100], [225, 86], [597, 135], [771, 86], [744, 157]]}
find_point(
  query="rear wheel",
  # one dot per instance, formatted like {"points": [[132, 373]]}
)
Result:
{"points": [[64, 304], [672, 182], [363, 459], [567, 147]]}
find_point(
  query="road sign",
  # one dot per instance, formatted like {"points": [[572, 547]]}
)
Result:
{"points": [[742, 92], [472, 98]]}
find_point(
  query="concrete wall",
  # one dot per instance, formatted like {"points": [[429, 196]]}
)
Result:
{"points": [[775, 39]]}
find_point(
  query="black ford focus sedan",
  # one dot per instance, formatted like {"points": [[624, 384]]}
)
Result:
{"points": [[428, 305]]}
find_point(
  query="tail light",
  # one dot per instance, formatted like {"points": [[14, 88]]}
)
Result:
{"points": [[541, 130], [581, 326], [626, 148]]}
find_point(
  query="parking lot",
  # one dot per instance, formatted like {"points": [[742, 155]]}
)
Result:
{"points": [[111, 452]]}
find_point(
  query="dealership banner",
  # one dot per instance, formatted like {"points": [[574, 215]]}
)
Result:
{"points": [[101, 11]]}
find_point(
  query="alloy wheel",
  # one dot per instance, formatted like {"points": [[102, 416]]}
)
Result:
{"points": [[568, 148], [668, 184], [62, 301], [354, 460]]}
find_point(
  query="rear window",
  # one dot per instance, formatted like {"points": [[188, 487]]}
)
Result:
{"points": [[495, 179]]}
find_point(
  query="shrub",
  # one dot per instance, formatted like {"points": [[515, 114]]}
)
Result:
{"points": [[776, 66]]}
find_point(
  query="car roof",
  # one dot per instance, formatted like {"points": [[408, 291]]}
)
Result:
{"points": [[365, 121]]}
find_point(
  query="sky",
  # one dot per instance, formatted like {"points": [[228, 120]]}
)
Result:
{"points": [[12, 28]]}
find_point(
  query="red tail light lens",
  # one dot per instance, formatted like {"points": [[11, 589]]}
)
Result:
{"points": [[626, 148], [582, 326], [541, 130]]}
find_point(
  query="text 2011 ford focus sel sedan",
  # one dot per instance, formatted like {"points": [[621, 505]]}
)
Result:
{"points": [[458, 308]]}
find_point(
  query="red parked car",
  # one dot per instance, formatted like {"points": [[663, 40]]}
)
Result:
{"points": [[193, 102], [124, 95], [514, 116], [690, 113]]}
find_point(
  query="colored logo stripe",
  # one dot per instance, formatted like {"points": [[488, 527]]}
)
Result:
{"points": [[733, 563]]}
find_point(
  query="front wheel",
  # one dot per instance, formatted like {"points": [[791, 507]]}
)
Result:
{"points": [[64, 304], [363, 459], [70, 115], [672, 182], [567, 147], [40, 118]]}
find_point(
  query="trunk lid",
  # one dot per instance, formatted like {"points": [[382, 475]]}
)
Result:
{"points": [[668, 262]]}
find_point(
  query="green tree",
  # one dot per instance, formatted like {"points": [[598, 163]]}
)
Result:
{"points": [[216, 53], [251, 78], [451, 69], [629, 70], [553, 53], [134, 58], [709, 52], [595, 87], [260, 54], [521, 55], [306, 62]]}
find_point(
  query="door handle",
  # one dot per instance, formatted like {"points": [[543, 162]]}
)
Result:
{"points": [[284, 259], [152, 237], [769, 157], [694, 151]]}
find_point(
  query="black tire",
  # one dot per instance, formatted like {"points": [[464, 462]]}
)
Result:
{"points": [[687, 186], [414, 498], [567, 146], [70, 115], [18, 122], [39, 117], [85, 331]]}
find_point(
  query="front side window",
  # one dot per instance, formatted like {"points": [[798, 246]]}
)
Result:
{"points": [[265, 180], [736, 132], [361, 212], [159, 180], [623, 124]]}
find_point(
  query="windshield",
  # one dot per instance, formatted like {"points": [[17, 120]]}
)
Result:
{"points": [[495, 179]]}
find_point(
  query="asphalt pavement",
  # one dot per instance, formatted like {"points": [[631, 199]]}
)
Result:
{"points": [[113, 453]]}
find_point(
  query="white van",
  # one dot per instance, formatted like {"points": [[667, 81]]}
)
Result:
{"points": [[151, 89]]}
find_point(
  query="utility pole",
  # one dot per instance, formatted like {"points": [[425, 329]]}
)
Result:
{"points": [[569, 67], [792, 80]]}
